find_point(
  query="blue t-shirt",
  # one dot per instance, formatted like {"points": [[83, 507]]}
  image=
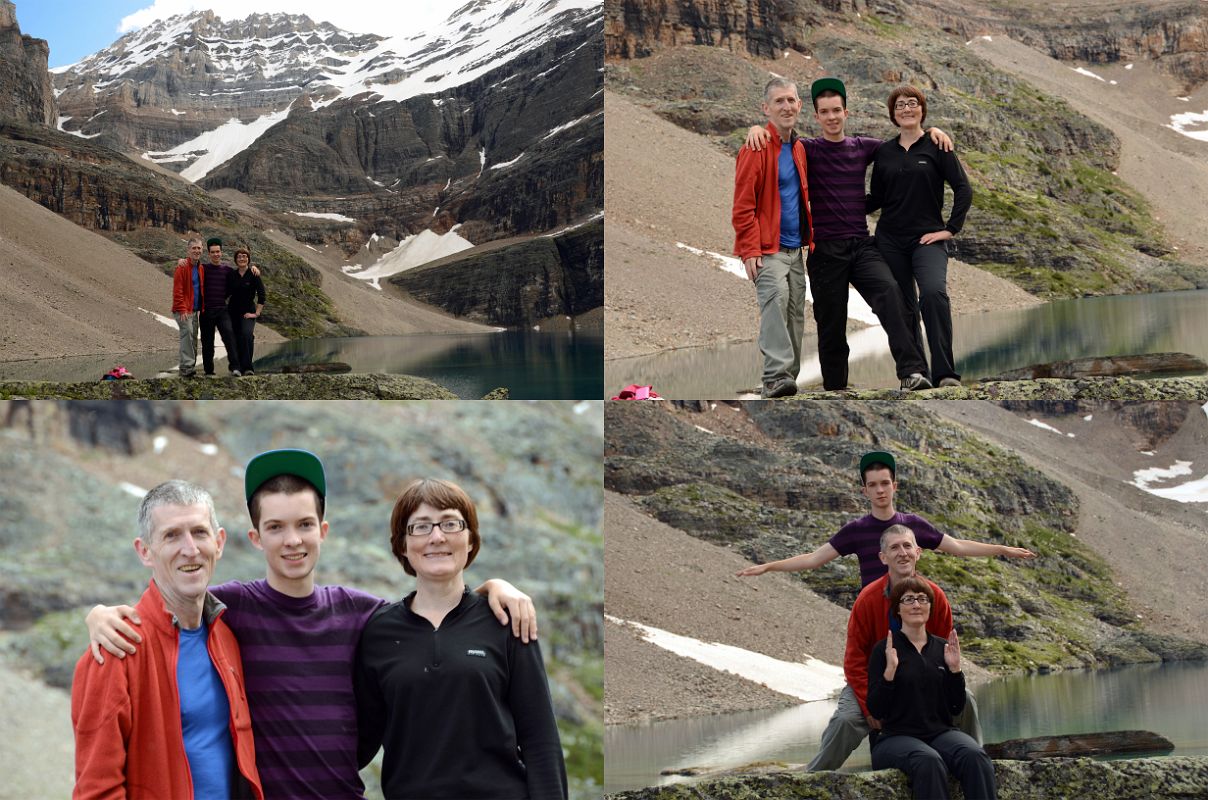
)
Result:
{"points": [[790, 199], [196, 287], [205, 716]]}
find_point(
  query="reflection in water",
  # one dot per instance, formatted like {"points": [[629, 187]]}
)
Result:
{"points": [[985, 344], [1168, 699], [562, 365]]}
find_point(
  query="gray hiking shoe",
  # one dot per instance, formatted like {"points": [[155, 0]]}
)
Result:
{"points": [[915, 382], [784, 387], [949, 382]]}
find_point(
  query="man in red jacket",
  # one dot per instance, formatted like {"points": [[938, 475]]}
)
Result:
{"points": [[772, 226], [174, 722], [868, 624], [188, 283]]}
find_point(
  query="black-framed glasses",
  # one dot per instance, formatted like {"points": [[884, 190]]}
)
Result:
{"points": [[445, 525], [911, 103], [911, 599]]}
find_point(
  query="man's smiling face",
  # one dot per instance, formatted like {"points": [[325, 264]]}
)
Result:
{"points": [[782, 107], [182, 551]]}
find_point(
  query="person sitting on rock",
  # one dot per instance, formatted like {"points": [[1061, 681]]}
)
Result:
{"points": [[869, 623], [915, 689], [878, 478]]}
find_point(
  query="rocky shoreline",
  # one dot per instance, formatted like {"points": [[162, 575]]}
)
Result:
{"points": [[1171, 778], [252, 387], [1114, 388]]}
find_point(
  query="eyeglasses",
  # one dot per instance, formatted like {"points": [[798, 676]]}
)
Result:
{"points": [[445, 525], [901, 104], [911, 599]]}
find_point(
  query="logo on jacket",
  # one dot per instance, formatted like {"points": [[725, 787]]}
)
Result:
{"points": [[478, 653]]}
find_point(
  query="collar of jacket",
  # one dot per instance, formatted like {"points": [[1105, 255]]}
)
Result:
{"points": [[153, 610]]}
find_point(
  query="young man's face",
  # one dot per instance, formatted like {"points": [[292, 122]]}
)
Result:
{"points": [[216, 254], [782, 107], [831, 115], [879, 488], [289, 534], [182, 552], [900, 554]]}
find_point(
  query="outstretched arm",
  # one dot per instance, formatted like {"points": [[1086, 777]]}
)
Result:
{"points": [[966, 547], [508, 601], [823, 555], [107, 629]]}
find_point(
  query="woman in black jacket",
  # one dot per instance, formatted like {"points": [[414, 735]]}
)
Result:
{"points": [[461, 706], [915, 687], [245, 306], [908, 177]]}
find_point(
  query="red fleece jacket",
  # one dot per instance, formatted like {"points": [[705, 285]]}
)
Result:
{"points": [[756, 211], [182, 287], [126, 713], [869, 624]]}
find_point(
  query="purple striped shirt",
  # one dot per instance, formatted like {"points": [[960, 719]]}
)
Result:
{"points": [[216, 290], [298, 655], [862, 537], [836, 177]]}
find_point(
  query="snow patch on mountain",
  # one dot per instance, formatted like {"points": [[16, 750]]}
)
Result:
{"points": [[322, 215], [414, 251], [215, 147]]}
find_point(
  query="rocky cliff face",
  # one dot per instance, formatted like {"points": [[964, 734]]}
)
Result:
{"points": [[517, 150], [174, 79], [637, 28], [1173, 35], [96, 187], [520, 284], [25, 90]]}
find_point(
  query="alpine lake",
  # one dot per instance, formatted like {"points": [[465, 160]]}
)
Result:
{"points": [[1168, 699], [984, 345], [532, 365]]}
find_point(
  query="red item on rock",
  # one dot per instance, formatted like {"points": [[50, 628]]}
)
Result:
{"points": [[635, 392]]}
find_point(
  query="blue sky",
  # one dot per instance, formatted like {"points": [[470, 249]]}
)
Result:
{"points": [[74, 29]]}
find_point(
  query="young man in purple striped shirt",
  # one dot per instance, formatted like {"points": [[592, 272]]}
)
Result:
{"points": [[298, 639], [843, 251], [878, 478]]}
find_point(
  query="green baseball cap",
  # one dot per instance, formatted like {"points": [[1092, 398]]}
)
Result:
{"points": [[301, 463], [828, 84], [878, 457]]}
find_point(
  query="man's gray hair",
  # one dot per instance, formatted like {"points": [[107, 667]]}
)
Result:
{"points": [[894, 530], [195, 239], [173, 493], [777, 83]]}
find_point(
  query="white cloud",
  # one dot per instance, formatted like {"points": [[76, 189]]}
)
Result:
{"points": [[356, 16]]}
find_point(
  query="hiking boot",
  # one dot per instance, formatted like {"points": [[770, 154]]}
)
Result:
{"points": [[784, 387], [949, 382], [249, 372], [236, 373], [915, 382]]}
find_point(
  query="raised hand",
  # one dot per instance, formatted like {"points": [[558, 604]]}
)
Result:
{"points": [[891, 658], [952, 652]]}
